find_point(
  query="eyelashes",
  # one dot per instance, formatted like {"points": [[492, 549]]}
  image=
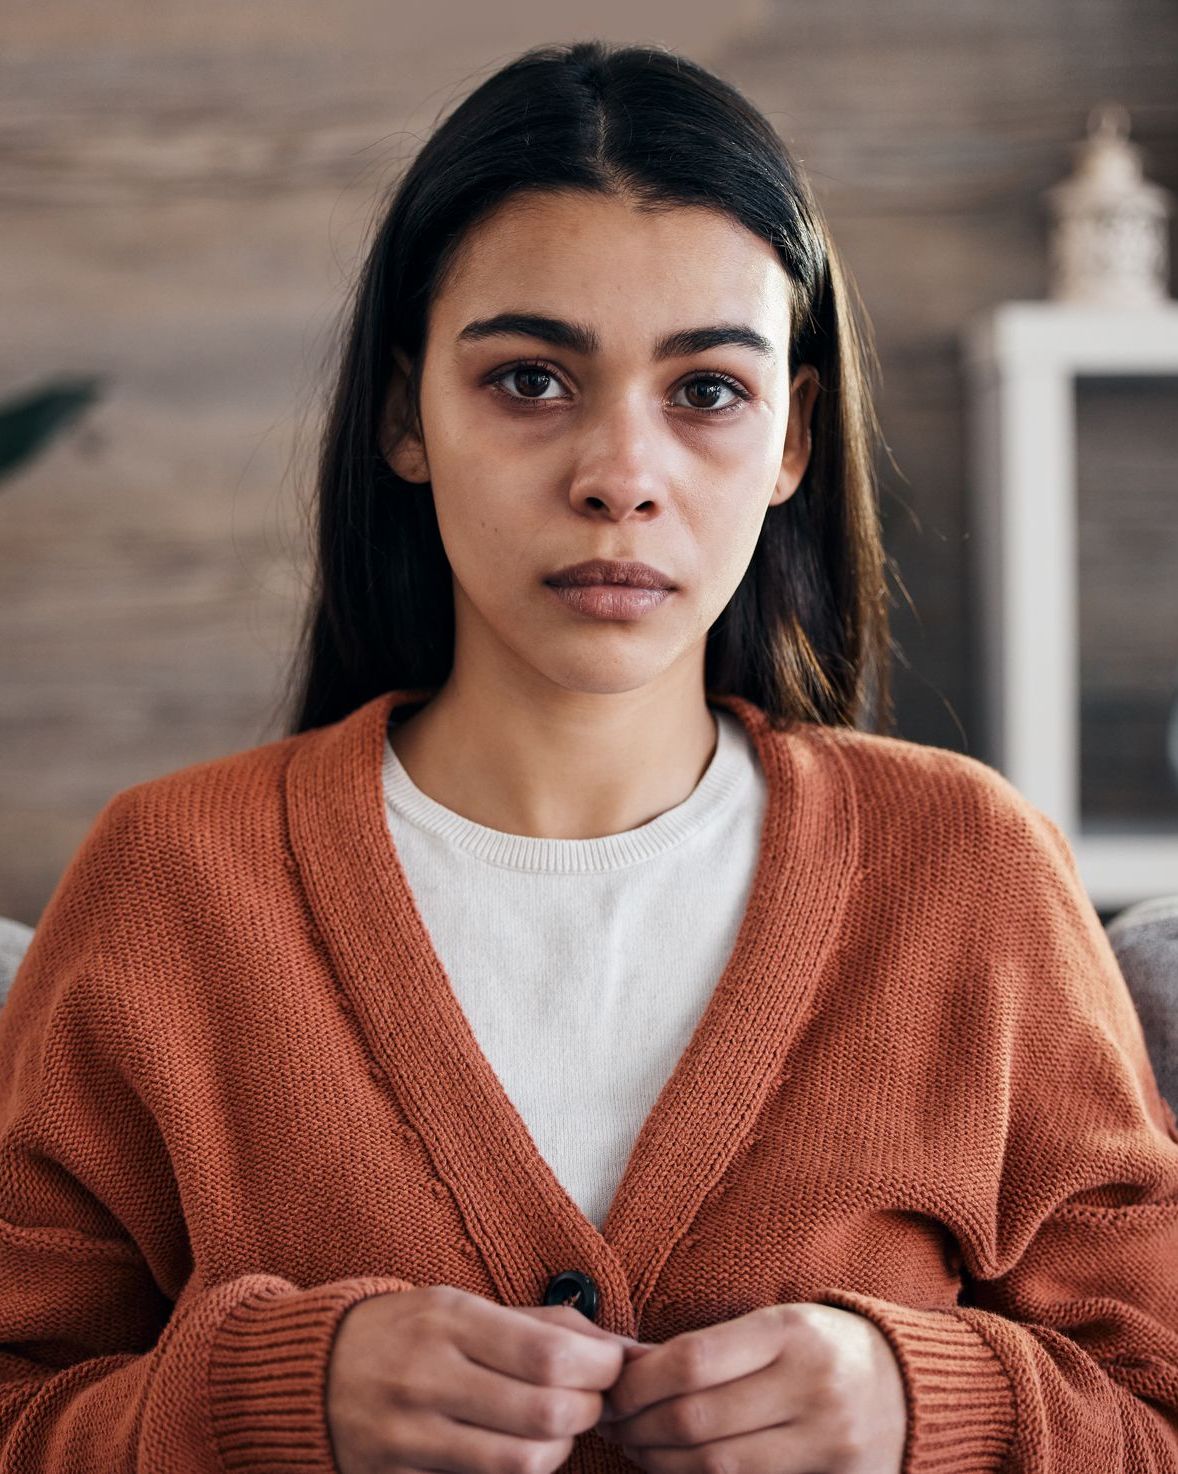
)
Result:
{"points": [[538, 366]]}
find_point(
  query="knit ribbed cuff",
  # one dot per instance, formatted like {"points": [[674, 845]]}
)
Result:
{"points": [[960, 1401], [268, 1377]]}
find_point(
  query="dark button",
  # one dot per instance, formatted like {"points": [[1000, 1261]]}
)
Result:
{"points": [[573, 1288]]}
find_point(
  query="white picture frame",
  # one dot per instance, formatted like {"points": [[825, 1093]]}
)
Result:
{"points": [[1021, 361]]}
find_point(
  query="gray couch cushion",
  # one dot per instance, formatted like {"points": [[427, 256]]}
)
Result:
{"points": [[14, 938], [1144, 938]]}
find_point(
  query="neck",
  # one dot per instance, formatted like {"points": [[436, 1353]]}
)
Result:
{"points": [[559, 764]]}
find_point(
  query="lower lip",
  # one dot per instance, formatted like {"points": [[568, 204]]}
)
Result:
{"points": [[609, 600]]}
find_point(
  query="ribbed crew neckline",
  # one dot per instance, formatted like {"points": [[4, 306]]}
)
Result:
{"points": [[717, 785]]}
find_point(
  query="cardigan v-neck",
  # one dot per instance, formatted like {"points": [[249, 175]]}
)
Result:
{"points": [[416, 1028], [584, 964]]}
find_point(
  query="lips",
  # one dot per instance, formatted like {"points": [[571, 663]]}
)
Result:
{"points": [[611, 571], [609, 601]]}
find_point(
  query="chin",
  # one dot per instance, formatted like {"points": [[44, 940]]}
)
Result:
{"points": [[605, 677]]}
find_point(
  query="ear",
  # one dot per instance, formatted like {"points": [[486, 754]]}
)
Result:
{"points": [[401, 441], [796, 456]]}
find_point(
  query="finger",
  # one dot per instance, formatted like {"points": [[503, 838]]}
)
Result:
{"points": [[798, 1449], [698, 1359], [545, 1350], [496, 1401], [435, 1444], [764, 1399], [631, 1350]]}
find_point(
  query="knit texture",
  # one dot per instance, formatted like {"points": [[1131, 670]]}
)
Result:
{"points": [[238, 1094]]}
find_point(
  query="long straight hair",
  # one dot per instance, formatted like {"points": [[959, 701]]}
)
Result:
{"points": [[805, 634]]}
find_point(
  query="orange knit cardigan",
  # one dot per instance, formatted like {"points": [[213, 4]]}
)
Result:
{"points": [[238, 1094]]}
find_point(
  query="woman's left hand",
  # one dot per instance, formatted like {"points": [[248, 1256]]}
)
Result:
{"points": [[787, 1389]]}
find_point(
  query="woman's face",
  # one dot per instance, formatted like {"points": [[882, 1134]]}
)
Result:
{"points": [[592, 433]]}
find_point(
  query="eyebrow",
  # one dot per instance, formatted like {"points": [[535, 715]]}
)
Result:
{"points": [[579, 338]]}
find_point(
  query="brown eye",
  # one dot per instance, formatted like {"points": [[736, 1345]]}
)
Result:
{"points": [[710, 386], [532, 380], [529, 378]]}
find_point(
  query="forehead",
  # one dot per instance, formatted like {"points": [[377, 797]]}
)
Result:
{"points": [[599, 257]]}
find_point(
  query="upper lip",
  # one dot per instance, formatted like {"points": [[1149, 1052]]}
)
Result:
{"points": [[605, 570]]}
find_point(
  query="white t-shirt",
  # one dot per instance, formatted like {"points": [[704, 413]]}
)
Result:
{"points": [[584, 965]]}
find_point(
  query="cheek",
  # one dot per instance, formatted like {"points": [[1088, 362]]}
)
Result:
{"points": [[725, 534], [472, 524], [741, 446], [728, 506], [490, 529]]}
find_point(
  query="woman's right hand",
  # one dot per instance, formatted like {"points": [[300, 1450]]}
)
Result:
{"points": [[438, 1378]]}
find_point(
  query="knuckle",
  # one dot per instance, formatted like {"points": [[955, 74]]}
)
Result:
{"points": [[808, 1326], [693, 1359], [513, 1458], [400, 1387], [847, 1449], [800, 1311], [524, 1457], [688, 1420], [553, 1414], [437, 1305], [835, 1385], [714, 1460], [548, 1360], [432, 1325]]}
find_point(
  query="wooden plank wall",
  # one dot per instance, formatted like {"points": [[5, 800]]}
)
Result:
{"points": [[184, 196]]}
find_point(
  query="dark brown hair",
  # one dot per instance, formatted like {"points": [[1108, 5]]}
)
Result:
{"points": [[805, 634]]}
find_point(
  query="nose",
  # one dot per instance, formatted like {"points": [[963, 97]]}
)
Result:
{"points": [[619, 460]]}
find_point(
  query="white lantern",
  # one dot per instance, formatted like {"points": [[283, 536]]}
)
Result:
{"points": [[1108, 237]]}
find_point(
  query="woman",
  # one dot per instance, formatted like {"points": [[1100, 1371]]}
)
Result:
{"points": [[581, 1041]]}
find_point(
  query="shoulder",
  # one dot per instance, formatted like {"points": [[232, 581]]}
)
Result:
{"points": [[958, 863], [941, 799], [251, 776], [167, 866], [890, 768], [175, 833], [203, 792]]}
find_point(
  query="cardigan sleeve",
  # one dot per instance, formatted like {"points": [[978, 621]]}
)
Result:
{"points": [[1061, 1356], [108, 1364], [236, 1379]]}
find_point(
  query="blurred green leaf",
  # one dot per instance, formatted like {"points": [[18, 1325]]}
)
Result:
{"points": [[31, 421]]}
